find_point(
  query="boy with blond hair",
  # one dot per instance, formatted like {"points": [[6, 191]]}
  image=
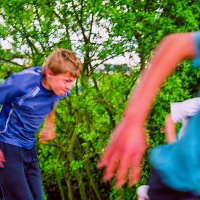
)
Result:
{"points": [[28, 98]]}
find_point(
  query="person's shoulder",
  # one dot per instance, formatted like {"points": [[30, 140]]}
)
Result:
{"points": [[32, 71], [27, 76], [192, 100]]}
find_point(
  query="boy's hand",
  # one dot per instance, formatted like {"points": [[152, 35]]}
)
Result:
{"points": [[2, 159], [46, 135], [124, 154]]}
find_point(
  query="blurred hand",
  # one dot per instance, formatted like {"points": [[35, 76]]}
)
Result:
{"points": [[46, 135], [124, 154], [2, 159]]}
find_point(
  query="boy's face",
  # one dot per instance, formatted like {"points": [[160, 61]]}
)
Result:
{"points": [[59, 83]]}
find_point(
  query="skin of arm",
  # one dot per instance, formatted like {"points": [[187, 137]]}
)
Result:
{"points": [[48, 132], [2, 158], [123, 156], [170, 129]]}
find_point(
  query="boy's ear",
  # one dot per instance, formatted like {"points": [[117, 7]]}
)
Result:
{"points": [[49, 73]]}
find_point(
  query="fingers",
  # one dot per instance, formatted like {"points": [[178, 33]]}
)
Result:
{"points": [[123, 157], [135, 172], [129, 170], [43, 140], [104, 159], [1, 164], [111, 167], [120, 165], [44, 137], [122, 171], [109, 160], [136, 166], [2, 159], [124, 166]]}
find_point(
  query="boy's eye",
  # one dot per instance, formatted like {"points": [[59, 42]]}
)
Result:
{"points": [[68, 81]]}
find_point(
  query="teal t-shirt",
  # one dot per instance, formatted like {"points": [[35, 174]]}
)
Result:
{"points": [[179, 163]]}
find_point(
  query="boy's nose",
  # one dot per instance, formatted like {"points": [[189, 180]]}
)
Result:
{"points": [[69, 85]]}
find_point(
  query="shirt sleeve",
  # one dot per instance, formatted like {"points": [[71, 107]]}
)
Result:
{"points": [[9, 88], [182, 110]]}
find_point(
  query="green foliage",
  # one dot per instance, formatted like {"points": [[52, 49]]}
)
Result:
{"points": [[122, 193], [76, 164], [98, 31]]}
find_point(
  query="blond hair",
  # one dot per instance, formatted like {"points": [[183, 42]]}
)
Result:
{"points": [[62, 61]]}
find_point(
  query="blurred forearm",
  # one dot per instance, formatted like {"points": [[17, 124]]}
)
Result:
{"points": [[172, 49], [170, 129]]}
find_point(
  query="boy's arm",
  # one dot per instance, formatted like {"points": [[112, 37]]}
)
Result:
{"points": [[48, 132], [180, 111], [10, 88], [123, 156], [2, 159], [170, 129]]}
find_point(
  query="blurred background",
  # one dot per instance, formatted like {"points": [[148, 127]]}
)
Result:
{"points": [[114, 40]]}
